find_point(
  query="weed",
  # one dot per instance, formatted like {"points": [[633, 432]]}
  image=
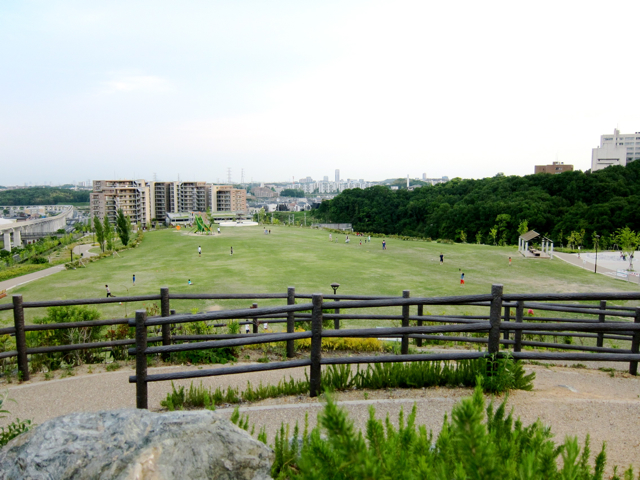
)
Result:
{"points": [[90, 369], [48, 375], [263, 359], [578, 365], [112, 367]]}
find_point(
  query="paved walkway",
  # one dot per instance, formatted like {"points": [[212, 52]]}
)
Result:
{"points": [[605, 266], [573, 401], [21, 280]]}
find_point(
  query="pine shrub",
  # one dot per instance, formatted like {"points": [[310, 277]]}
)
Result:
{"points": [[478, 442]]}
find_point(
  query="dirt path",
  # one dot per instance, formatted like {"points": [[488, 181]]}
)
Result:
{"points": [[573, 401]]}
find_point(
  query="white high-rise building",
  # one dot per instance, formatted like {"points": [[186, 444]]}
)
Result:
{"points": [[337, 175], [616, 149]]}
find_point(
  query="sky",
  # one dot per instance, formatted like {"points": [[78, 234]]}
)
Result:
{"points": [[275, 90]]}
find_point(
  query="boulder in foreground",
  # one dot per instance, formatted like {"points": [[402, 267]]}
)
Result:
{"points": [[136, 444]]}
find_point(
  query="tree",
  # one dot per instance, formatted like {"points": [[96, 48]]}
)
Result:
{"points": [[628, 241], [493, 233], [71, 246], [123, 227], [290, 192], [479, 238], [579, 236], [108, 232], [523, 227], [463, 236], [97, 226]]}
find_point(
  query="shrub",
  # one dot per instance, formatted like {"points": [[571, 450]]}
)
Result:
{"points": [[65, 336], [13, 429], [478, 442]]}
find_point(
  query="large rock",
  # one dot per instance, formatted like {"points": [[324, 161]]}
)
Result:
{"points": [[136, 444]]}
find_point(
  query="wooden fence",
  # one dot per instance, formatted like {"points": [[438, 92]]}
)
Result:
{"points": [[625, 327]]}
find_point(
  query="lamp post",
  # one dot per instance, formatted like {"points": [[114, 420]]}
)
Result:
{"points": [[336, 321], [595, 269]]}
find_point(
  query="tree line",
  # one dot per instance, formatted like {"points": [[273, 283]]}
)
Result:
{"points": [[571, 207], [43, 196]]}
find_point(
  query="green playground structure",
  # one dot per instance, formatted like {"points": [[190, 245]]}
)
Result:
{"points": [[200, 226]]}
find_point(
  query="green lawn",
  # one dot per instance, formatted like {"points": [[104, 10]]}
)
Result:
{"points": [[305, 259]]}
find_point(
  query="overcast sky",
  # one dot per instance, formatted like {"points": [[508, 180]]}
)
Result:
{"points": [[281, 89]]}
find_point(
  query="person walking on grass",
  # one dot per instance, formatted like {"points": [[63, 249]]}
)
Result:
{"points": [[189, 282], [441, 259], [384, 244], [509, 261], [134, 279], [330, 237], [199, 251], [462, 279], [231, 251], [108, 291]]}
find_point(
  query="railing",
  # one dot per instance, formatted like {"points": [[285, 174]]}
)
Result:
{"points": [[499, 319]]}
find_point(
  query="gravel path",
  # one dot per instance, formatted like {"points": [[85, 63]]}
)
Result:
{"points": [[573, 401]]}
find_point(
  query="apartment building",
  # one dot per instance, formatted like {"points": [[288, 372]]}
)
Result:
{"points": [[225, 198], [164, 199], [556, 167], [132, 196], [145, 201], [616, 149]]}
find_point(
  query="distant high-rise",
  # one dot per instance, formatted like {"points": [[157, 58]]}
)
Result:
{"points": [[325, 179], [616, 149], [337, 175]]}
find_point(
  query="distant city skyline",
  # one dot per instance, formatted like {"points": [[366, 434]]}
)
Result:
{"points": [[379, 89]]}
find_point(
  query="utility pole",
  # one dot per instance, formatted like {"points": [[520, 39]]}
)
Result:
{"points": [[229, 175]]}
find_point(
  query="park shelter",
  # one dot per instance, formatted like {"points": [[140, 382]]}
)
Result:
{"points": [[546, 250]]}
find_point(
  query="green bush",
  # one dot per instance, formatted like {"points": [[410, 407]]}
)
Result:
{"points": [[13, 429], [64, 336], [478, 442], [199, 357]]}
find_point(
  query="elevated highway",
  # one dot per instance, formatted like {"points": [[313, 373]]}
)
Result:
{"points": [[13, 232]]}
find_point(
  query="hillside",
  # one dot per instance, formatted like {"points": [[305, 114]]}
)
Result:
{"points": [[42, 196], [553, 205]]}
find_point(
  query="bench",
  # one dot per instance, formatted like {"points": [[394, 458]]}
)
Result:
{"points": [[3, 293]]}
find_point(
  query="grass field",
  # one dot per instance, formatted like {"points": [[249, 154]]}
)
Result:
{"points": [[305, 259]]}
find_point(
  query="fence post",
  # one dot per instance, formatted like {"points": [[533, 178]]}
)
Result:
{"points": [[507, 318], [255, 319], [519, 315], [21, 340], [141, 360], [291, 323], [494, 318], [336, 321], [635, 344], [404, 348], [420, 312], [601, 319], [165, 311], [316, 345]]}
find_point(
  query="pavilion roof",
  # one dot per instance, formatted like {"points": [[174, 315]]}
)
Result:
{"points": [[530, 235]]}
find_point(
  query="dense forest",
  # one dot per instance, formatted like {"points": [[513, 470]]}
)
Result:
{"points": [[491, 210], [42, 196]]}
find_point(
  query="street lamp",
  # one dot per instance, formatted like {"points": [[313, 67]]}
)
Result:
{"points": [[595, 269], [336, 321]]}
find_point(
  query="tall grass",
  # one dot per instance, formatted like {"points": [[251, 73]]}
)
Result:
{"points": [[496, 374]]}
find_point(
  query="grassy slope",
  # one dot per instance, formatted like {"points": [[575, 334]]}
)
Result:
{"points": [[305, 259]]}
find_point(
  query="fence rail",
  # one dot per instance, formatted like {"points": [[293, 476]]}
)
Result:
{"points": [[501, 327]]}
